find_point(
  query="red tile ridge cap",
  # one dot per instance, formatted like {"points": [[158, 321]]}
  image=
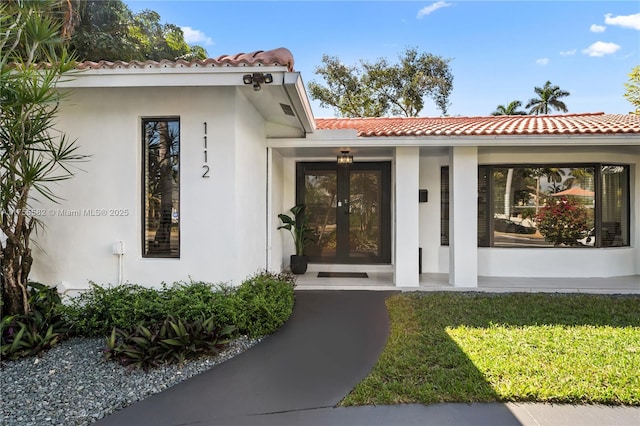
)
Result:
{"points": [[277, 57]]}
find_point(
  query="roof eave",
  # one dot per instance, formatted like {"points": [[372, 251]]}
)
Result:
{"points": [[340, 138], [165, 77], [297, 93]]}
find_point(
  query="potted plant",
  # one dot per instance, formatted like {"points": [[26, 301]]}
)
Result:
{"points": [[298, 226]]}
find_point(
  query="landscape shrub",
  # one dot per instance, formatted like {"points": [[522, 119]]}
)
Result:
{"points": [[147, 326], [189, 301], [174, 340], [96, 311], [265, 301], [36, 331]]}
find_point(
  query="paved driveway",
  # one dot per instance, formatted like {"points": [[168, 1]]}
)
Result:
{"points": [[330, 343]]}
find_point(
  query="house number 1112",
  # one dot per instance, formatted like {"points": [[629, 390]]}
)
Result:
{"points": [[205, 166]]}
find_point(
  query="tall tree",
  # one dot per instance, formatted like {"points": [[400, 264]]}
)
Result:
{"points": [[32, 154], [632, 92], [381, 88], [347, 91], [510, 109], [547, 100], [108, 30]]}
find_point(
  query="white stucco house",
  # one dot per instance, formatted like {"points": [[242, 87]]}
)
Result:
{"points": [[191, 163]]}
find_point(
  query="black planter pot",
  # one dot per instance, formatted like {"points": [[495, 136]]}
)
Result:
{"points": [[298, 264]]}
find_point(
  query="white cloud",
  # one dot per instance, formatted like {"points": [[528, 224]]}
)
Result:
{"points": [[597, 28], [628, 21], [601, 48], [192, 36], [430, 9], [542, 61], [568, 52]]}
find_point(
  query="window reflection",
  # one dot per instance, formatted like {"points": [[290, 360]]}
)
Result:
{"points": [[548, 206], [161, 220], [521, 196]]}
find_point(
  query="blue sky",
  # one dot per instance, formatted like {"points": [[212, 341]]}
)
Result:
{"points": [[499, 50]]}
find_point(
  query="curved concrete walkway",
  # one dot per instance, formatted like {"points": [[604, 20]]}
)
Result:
{"points": [[330, 343], [299, 374]]}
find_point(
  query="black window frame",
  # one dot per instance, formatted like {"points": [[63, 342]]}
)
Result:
{"points": [[444, 205], [487, 201], [146, 253]]}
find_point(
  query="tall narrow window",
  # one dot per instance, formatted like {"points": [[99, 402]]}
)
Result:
{"points": [[615, 206], [161, 187], [483, 207], [444, 206]]}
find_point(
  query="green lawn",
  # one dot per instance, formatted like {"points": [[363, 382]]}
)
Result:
{"points": [[462, 347]]}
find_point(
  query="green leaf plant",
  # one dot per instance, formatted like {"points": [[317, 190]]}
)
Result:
{"points": [[36, 331], [298, 226], [174, 340], [33, 154]]}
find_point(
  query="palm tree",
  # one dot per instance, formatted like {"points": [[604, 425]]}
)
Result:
{"points": [[511, 109], [548, 99]]}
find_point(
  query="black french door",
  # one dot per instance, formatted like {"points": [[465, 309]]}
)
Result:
{"points": [[349, 208]]}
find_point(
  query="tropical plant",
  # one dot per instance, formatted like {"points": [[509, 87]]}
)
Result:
{"points": [[547, 100], [37, 330], [562, 221], [33, 156], [173, 340], [380, 88], [510, 109], [632, 88], [298, 226], [98, 310]]}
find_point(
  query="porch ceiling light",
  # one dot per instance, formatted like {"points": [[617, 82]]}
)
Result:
{"points": [[345, 158], [257, 78]]}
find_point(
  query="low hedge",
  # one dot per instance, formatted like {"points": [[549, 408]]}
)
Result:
{"points": [[259, 306]]}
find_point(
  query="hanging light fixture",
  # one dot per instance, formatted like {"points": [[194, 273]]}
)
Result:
{"points": [[345, 158]]}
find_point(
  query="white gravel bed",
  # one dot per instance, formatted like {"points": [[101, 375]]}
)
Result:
{"points": [[72, 384]]}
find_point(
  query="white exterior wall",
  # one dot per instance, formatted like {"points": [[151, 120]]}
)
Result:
{"points": [[406, 217], [435, 258], [250, 191], [463, 217], [276, 193], [287, 200], [215, 232]]}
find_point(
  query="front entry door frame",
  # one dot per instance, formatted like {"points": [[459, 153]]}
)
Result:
{"points": [[342, 208]]}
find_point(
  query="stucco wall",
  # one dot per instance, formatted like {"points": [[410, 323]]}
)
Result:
{"points": [[276, 194], [250, 233], [107, 124]]}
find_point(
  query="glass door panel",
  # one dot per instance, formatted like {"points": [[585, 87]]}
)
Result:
{"points": [[349, 211], [320, 199], [364, 217]]}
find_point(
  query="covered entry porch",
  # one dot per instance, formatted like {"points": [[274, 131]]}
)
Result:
{"points": [[413, 222], [445, 224]]}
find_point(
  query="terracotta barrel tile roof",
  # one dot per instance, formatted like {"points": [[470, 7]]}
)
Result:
{"points": [[275, 57], [505, 125]]}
